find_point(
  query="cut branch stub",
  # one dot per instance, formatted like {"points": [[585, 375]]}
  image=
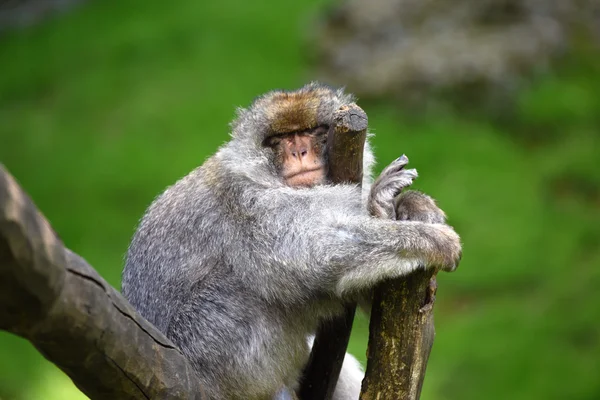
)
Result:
{"points": [[345, 146], [52, 297]]}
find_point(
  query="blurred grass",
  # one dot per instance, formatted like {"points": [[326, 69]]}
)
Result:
{"points": [[104, 107]]}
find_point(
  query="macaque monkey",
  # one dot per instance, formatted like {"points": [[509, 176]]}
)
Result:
{"points": [[239, 261]]}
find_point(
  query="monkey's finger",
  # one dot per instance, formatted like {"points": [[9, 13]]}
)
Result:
{"points": [[457, 262], [410, 173], [403, 178], [391, 186], [398, 180], [397, 165]]}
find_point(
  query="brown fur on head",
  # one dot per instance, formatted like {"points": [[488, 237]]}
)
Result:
{"points": [[279, 111], [294, 111]]}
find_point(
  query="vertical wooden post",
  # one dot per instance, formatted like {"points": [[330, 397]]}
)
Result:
{"points": [[346, 142], [401, 330]]}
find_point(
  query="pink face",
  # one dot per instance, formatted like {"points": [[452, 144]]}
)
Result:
{"points": [[300, 157]]}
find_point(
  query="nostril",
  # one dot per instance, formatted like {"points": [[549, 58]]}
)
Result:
{"points": [[303, 153]]}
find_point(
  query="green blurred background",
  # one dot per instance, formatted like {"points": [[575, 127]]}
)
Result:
{"points": [[103, 107]]}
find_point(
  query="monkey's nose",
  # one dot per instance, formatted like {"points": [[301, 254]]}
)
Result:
{"points": [[301, 153]]}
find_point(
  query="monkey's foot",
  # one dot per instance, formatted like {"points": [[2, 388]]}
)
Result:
{"points": [[393, 179]]}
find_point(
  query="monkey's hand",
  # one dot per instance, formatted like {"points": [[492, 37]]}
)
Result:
{"points": [[416, 206], [390, 183], [440, 246]]}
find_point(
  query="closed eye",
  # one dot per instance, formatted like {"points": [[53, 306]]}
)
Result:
{"points": [[272, 141], [319, 132]]}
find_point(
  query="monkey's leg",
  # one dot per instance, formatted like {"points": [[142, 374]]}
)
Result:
{"points": [[285, 394], [350, 380]]}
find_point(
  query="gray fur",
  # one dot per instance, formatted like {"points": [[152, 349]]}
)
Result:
{"points": [[238, 269], [416, 206]]}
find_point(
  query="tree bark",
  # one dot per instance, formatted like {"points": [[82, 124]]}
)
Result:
{"points": [[345, 143], [401, 334], [56, 300]]}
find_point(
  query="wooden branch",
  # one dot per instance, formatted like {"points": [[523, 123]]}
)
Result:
{"points": [[401, 335], [346, 142], [52, 297]]}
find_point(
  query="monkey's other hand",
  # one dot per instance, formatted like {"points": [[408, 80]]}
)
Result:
{"points": [[388, 185], [443, 248], [417, 206]]}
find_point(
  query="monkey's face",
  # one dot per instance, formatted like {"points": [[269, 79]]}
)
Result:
{"points": [[283, 135], [299, 156]]}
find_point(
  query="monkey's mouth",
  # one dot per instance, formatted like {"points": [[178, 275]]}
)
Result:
{"points": [[305, 177]]}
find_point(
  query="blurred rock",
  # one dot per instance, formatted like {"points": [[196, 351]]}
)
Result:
{"points": [[22, 13], [405, 48]]}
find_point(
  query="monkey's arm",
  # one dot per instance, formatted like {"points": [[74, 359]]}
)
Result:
{"points": [[369, 250], [388, 200], [324, 241]]}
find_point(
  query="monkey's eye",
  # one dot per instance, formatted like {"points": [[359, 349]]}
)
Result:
{"points": [[320, 131], [323, 129], [272, 141]]}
